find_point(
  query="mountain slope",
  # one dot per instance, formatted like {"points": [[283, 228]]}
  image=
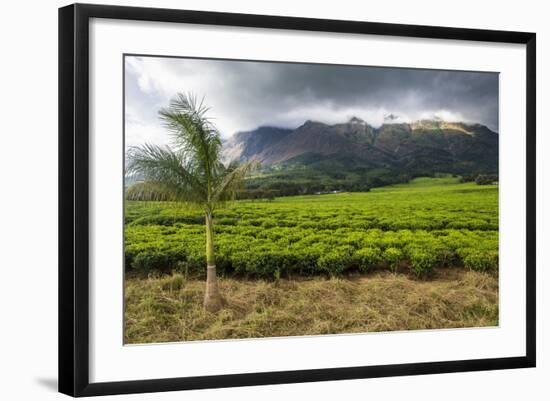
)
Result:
{"points": [[422, 147], [247, 145]]}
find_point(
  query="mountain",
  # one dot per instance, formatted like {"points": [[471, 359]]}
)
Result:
{"points": [[247, 145], [355, 156], [422, 147]]}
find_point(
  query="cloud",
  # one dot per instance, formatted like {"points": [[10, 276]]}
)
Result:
{"points": [[244, 95]]}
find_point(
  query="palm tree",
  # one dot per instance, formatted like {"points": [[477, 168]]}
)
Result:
{"points": [[189, 171]]}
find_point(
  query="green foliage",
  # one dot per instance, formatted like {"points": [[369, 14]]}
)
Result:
{"points": [[367, 258], [480, 179], [336, 261], [392, 256], [486, 179], [422, 261], [427, 223], [481, 260], [323, 177]]}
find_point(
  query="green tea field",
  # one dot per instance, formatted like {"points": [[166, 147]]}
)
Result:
{"points": [[416, 227]]}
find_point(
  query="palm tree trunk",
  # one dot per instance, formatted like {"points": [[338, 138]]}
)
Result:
{"points": [[213, 300]]}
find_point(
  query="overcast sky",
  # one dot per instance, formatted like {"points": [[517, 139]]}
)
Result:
{"points": [[244, 95]]}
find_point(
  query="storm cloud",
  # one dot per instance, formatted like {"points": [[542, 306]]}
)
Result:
{"points": [[244, 95]]}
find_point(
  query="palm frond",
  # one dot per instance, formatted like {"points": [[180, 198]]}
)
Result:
{"points": [[232, 181], [153, 191], [191, 171], [192, 131], [150, 191], [169, 170]]}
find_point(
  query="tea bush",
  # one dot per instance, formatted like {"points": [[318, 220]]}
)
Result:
{"points": [[336, 261], [367, 258], [392, 257], [481, 260], [422, 261]]}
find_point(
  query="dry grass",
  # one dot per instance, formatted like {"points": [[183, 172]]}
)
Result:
{"points": [[169, 308]]}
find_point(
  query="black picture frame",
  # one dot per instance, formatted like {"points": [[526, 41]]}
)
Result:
{"points": [[74, 200]]}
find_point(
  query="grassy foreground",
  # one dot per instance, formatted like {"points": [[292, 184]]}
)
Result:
{"points": [[169, 308]]}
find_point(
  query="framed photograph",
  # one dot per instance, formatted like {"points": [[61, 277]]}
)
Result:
{"points": [[250, 199]]}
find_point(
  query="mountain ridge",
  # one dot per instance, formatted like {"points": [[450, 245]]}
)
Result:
{"points": [[426, 145]]}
